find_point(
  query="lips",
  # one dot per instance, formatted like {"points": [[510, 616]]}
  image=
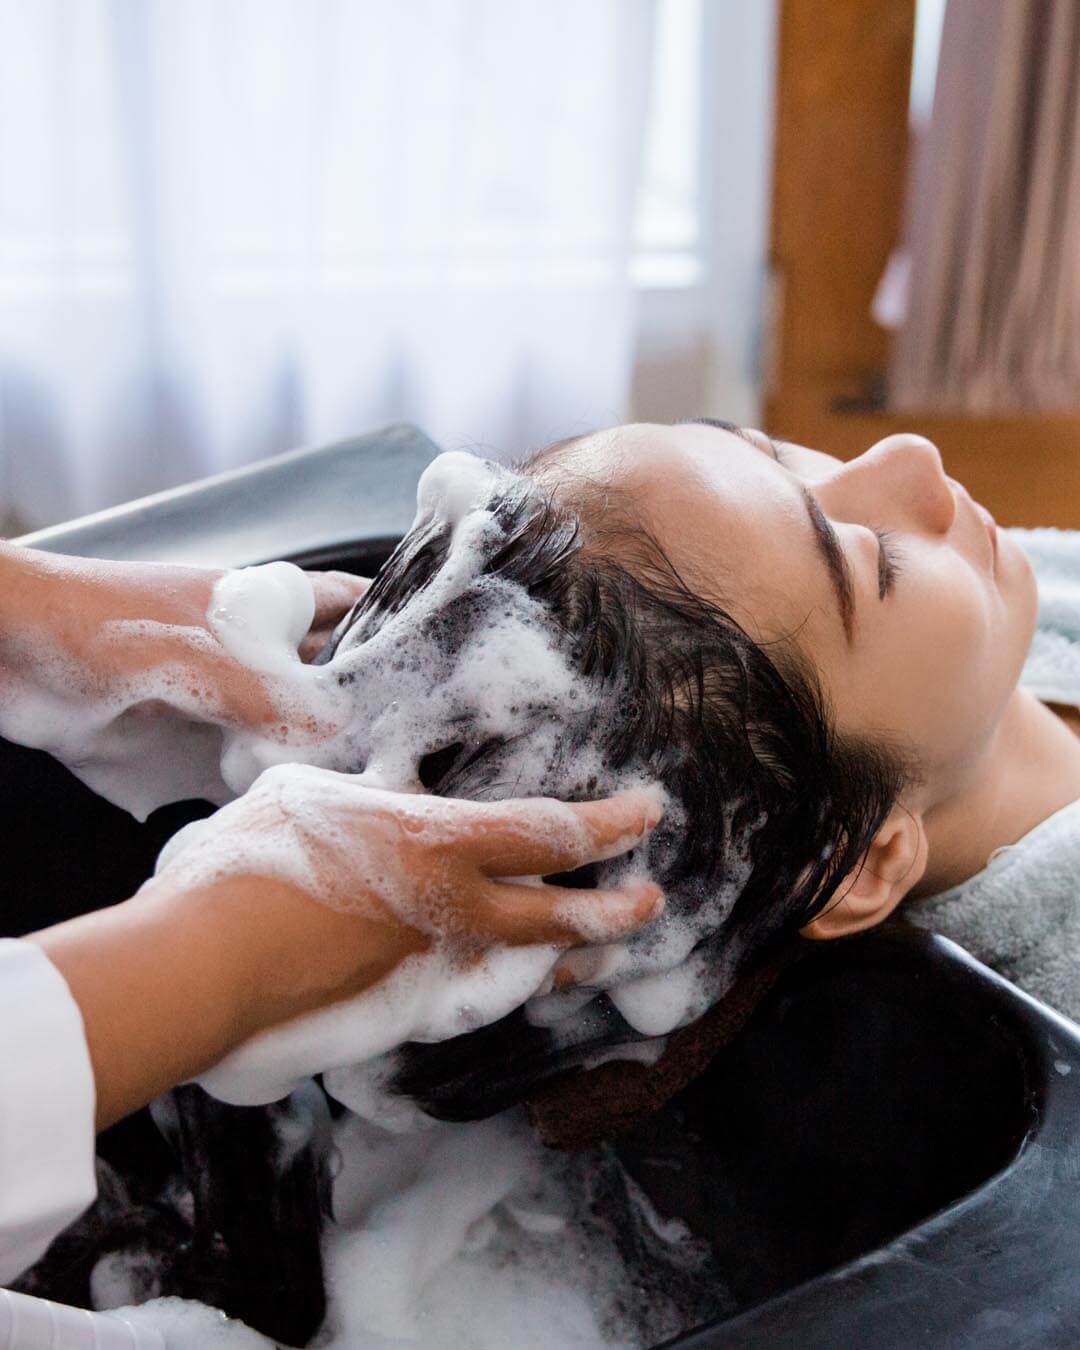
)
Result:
{"points": [[991, 527]]}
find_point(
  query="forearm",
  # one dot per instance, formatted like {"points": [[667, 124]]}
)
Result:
{"points": [[29, 585], [159, 995], [84, 642], [68, 600], [91, 633], [172, 980]]}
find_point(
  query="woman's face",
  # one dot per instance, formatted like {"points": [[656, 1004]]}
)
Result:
{"points": [[911, 605]]}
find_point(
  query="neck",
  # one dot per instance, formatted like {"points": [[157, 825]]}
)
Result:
{"points": [[1031, 770]]}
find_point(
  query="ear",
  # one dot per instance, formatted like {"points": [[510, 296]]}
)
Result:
{"points": [[890, 867]]}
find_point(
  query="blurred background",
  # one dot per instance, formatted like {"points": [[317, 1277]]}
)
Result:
{"points": [[229, 228]]}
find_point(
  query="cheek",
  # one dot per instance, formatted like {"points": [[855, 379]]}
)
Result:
{"points": [[1018, 598], [921, 675], [955, 670]]}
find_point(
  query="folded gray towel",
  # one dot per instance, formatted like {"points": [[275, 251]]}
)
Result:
{"points": [[1052, 669], [1021, 913]]}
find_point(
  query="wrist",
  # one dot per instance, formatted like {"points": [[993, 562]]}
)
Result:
{"points": [[287, 953], [28, 587], [157, 996], [209, 950]]}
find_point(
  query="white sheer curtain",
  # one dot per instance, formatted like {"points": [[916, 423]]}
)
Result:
{"points": [[992, 320], [229, 227]]}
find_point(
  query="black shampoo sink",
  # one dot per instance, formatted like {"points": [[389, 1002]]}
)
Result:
{"points": [[887, 1156]]}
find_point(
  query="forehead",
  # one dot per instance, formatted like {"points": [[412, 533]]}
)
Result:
{"points": [[726, 516], [719, 470]]}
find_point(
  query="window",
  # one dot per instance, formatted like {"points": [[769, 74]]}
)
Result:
{"points": [[667, 228]]}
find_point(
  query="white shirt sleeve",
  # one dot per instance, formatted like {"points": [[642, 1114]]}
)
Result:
{"points": [[47, 1103]]}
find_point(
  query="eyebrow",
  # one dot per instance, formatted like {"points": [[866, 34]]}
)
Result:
{"points": [[733, 427], [825, 537], [831, 550]]}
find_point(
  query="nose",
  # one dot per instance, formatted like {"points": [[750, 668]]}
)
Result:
{"points": [[900, 481]]}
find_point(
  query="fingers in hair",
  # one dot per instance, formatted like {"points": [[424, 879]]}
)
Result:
{"points": [[521, 915], [335, 593], [538, 837]]}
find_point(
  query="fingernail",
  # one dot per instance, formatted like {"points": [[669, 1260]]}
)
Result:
{"points": [[651, 892], [655, 802], [579, 966]]}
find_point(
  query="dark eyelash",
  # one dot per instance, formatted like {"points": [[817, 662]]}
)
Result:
{"points": [[735, 430], [889, 567]]}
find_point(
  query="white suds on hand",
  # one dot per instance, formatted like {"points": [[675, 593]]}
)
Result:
{"points": [[432, 1226], [471, 656]]}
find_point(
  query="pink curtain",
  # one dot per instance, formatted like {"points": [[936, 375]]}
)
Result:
{"points": [[993, 312]]}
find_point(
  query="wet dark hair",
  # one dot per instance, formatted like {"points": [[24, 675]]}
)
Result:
{"points": [[741, 736], [738, 732]]}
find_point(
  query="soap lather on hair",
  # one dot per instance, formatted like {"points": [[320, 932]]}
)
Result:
{"points": [[509, 649]]}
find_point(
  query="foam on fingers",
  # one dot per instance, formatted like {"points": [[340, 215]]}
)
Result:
{"points": [[468, 683], [144, 717], [606, 916]]}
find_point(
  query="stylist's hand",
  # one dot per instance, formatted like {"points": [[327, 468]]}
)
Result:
{"points": [[111, 623], [349, 880], [309, 890]]}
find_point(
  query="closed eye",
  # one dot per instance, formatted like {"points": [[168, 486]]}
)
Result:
{"points": [[828, 541], [888, 562], [735, 430], [888, 551]]}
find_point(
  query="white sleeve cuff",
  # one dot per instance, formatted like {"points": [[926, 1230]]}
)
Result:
{"points": [[47, 1103]]}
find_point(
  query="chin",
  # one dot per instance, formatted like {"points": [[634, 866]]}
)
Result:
{"points": [[1019, 593]]}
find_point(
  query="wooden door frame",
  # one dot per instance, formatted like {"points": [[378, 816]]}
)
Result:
{"points": [[840, 175]]}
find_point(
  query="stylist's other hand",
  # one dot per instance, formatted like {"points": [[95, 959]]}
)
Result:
{"points": [[335, 595], [114, 623]]}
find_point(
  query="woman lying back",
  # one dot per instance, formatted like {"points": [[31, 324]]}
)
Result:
{"points": [[891, 593], [818, 660]]}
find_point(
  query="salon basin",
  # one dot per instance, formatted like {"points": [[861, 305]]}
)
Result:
{"points": [[887, 1155]]}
